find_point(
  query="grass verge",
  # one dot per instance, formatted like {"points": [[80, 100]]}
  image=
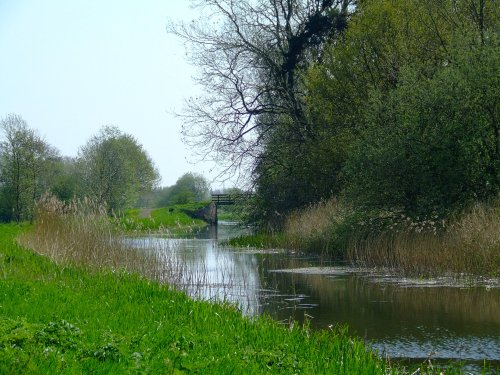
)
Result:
{"points": [[61, 318]]}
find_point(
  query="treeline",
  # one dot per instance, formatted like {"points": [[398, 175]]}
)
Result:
{"points": [[190, 187], [112, 169], [390, 106], [402, 113]]}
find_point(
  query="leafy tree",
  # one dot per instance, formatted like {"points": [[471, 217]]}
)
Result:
{"points": [[65, 179], [433, 145], [405, 98], [190, 187], [396, 111], [115, 169], [24, 168]]}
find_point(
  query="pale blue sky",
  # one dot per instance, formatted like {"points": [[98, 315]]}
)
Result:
{"points": [[68, 67]]}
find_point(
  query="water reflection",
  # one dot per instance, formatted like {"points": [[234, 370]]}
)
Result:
{"points": [[400, 321]]}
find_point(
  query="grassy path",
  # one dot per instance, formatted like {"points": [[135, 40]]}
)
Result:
{"points": [[65, 319], [144, 213]]}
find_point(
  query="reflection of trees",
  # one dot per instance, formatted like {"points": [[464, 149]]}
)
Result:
{"points": [[385, 309]]}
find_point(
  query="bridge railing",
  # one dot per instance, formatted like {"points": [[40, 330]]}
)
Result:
{"points": [[228, 199]]}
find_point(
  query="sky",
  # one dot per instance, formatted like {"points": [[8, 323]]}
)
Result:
{"points": [[70, 67]]}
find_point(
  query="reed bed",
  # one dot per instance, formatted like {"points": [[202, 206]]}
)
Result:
{"points": [[468, 244], [310, 229], [81, 233]]}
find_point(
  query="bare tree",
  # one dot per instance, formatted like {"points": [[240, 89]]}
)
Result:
{"points": [[249, 54]]}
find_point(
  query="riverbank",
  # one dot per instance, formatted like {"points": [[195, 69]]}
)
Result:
{"points": [[467, 244], [174, 221], [69, 319]]}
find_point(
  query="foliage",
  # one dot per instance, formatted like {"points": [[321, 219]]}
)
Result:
{"points": [[431, 145], [65, 179], [115, 169], [25, 166], [190, 187], [401, 113]]}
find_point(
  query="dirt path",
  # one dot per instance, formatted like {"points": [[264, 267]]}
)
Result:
{"points": [[145, 213]]}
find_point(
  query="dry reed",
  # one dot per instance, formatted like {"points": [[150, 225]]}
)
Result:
{"points": [[80, 233], [310, 228], [468, 244]]}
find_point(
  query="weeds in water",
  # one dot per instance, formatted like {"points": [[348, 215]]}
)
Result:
{"points": [[467, 245]]}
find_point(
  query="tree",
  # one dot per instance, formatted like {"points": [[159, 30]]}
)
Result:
{"points": [[249, 55], [24, 168], [115, 169], [188, 188], [432, 146], [65, 179], [411, 87]]}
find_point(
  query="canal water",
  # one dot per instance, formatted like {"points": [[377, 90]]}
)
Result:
{"points": [[409, 319]]}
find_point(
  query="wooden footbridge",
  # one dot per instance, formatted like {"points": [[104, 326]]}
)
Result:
{"points": [[225, 200], [229, 199]]}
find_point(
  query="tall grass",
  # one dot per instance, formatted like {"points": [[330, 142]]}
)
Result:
{"points": [[466, 244], [312, 228], [81, 233]]}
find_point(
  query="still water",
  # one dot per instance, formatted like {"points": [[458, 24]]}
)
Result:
{"points": [[400, 318]]}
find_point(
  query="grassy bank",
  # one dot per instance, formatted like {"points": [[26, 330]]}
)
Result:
{"points": [[69, 312], [468, 243], [173, 220]]}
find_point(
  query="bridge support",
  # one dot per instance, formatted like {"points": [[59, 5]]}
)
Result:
{"points": [[224, 200], [212, 213]]}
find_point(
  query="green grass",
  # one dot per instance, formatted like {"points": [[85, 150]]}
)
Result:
{"points": [[64, 319], [231, 213], [175, 219]]}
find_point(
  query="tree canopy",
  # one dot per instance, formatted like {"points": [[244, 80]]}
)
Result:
{"points": [[25, 160], [390, 105], [115, 169], [249, 56]]}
